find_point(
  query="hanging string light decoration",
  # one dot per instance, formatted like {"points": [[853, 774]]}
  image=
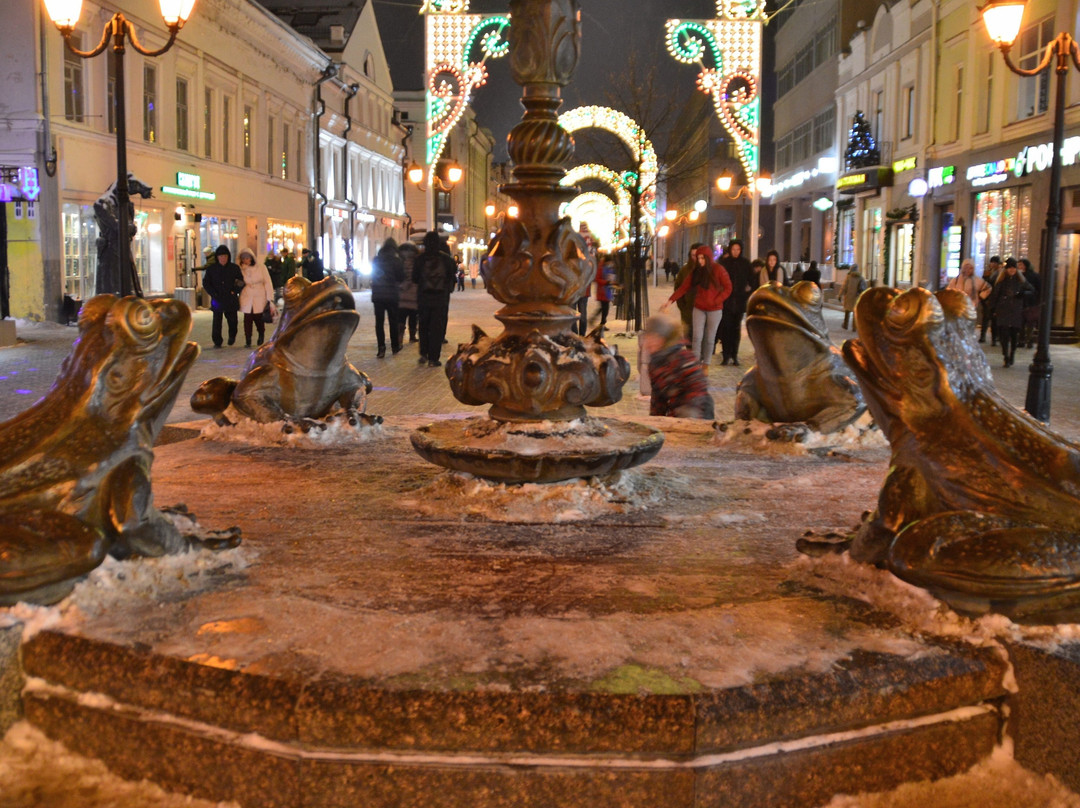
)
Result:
{"points": [[620, 185], [641, 151], [458, 48], [728, 52]]}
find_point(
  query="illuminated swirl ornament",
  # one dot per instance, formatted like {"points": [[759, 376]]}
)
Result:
{"points": [[728, 52], [636, 140], [458, 47]]}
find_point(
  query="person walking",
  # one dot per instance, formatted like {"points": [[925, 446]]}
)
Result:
{"points": [[312, 266], [711, 286], [772, 272], [460, 274], [678, 384], [407, 293], [434, 274], [387, 273], [970, 284], [1032, 303], [275, 268], [739, 271], [605, 287], [223, 281], [256, 296], [990, 275], [686, 302], [854, 285], [1006, 302]]}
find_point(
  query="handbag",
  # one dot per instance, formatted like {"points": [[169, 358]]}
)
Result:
{"points": [[268, 314]]}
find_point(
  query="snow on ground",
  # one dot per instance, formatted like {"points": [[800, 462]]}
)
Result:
{"points": [[338, 432], [145, 580], [457, 495], [36, 772], [754, 436], [997, 782]]}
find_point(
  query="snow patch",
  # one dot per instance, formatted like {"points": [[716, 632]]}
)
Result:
{"points": [[754, 436], [338, 432]]}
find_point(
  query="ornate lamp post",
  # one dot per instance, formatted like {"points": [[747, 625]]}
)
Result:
{"points": [[1002, 19], [65, 14], [537, 376], [444, 176]]}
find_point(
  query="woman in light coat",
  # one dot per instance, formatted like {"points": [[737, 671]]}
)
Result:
{"points": [[257, 294]]}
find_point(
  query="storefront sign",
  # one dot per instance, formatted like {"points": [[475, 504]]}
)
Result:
{"points": [[189, 185], [941, 175], [989, 173], [868, 179], [19, 183], [954, 240], [907, 164], [365, 218], [1037, 158]]}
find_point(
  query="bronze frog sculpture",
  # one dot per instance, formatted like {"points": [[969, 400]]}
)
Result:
{"points": [[302, 372], [981, 504], [799, 376], [75, 469]]}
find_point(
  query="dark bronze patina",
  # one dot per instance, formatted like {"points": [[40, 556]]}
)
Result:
{"points": [[982, 503], [75, 469], [799, 376], [537, 370], [302, 372]]}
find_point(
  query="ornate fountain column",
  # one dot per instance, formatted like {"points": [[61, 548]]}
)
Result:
{"points": [[537, 375]]}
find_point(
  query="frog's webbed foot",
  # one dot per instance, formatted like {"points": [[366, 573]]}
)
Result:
{"points": [[197, 536], [834, 418], [965, 557], [44, 554], [292, 425], [357, 417], [816, 545], [796, 432]]}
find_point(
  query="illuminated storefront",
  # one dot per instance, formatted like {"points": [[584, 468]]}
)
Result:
{"points": [[1001, 224]]}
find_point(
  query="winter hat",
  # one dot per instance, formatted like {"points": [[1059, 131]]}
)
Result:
{"points": [[223, 250], [246, 251], [208, 251]]}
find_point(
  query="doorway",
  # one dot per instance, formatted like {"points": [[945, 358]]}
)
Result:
{"points": [[1066, 276]]}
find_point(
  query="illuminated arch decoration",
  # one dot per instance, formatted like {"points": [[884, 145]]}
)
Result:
{"points": [[602, 215], [458, 48], [620, 185], [728, 51], [636, 140]]}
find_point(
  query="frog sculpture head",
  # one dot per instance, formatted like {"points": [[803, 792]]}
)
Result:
{"points": [[981, 504], [75, 472], [799, 376], [302, 372]]}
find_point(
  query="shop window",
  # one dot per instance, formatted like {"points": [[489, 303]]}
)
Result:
{"points": [[845, 250], [149, 120], [900, 253], [80, 250], [1002, 222], [182, 127], [74, 81], [1033, 94], [247, 137]]}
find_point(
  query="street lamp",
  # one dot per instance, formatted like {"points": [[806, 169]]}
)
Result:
{"points": [[1002, 19], [65, 15], [446, 174], [754, 188]]}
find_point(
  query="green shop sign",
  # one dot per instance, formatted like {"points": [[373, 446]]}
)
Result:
{"points": [[188, 185]]}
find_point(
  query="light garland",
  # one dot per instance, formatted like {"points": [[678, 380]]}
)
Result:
{"points": [[458, 47], [728, 52], [603, 217], [630, 133]]}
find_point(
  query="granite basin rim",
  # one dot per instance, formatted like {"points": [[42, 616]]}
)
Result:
{"points": [[446, 444]]}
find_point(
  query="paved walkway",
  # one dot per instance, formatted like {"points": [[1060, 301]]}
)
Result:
{"points": [[403, 388]]}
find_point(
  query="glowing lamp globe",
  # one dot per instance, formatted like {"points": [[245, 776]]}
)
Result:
{"points": [[1002, 19], [512, 211], [701, 205], [670, 214], [764, 184], [64, 13], [663, 231], [416, 173], [723, 182], [175, 12], [489, 210], [454, 173], [694, 214]]}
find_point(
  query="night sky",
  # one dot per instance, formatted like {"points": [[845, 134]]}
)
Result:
{"points": [[611, 30]]}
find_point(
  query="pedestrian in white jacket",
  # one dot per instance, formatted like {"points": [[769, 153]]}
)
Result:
{"points": [[256, 296]]}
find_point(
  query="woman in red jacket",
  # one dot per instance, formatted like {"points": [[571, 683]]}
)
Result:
{"points": [[711, 286]]}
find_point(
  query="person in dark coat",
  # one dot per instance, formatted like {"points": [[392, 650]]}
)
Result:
{"points": [[312, 266], [686, 302], [1033, 304], [813, 274], [990, 275], [387, 273], [435, 274], [407, 301], [223, 281], [1006, 302], [738, 269]]}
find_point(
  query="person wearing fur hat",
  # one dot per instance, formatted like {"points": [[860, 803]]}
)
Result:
{"points": [[223, 282], [257, 294], [679, 388], [711, 287]]}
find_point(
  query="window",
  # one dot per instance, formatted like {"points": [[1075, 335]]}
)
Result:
{"points": [[985, 112], [74, 96], [824, 130], [182, 127], [207, 125], [299, 154], [270, 156], [811, 56], [1033, 94], [247, 137], [110, 94], [909, 112], [285, 153], [442, 202], [879, 115], [226, 122], [149, 94], [802, 141], [958, 111]]}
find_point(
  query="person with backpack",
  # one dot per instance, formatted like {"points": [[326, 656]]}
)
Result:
{"points": [[435, 275], [387, 273]]}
